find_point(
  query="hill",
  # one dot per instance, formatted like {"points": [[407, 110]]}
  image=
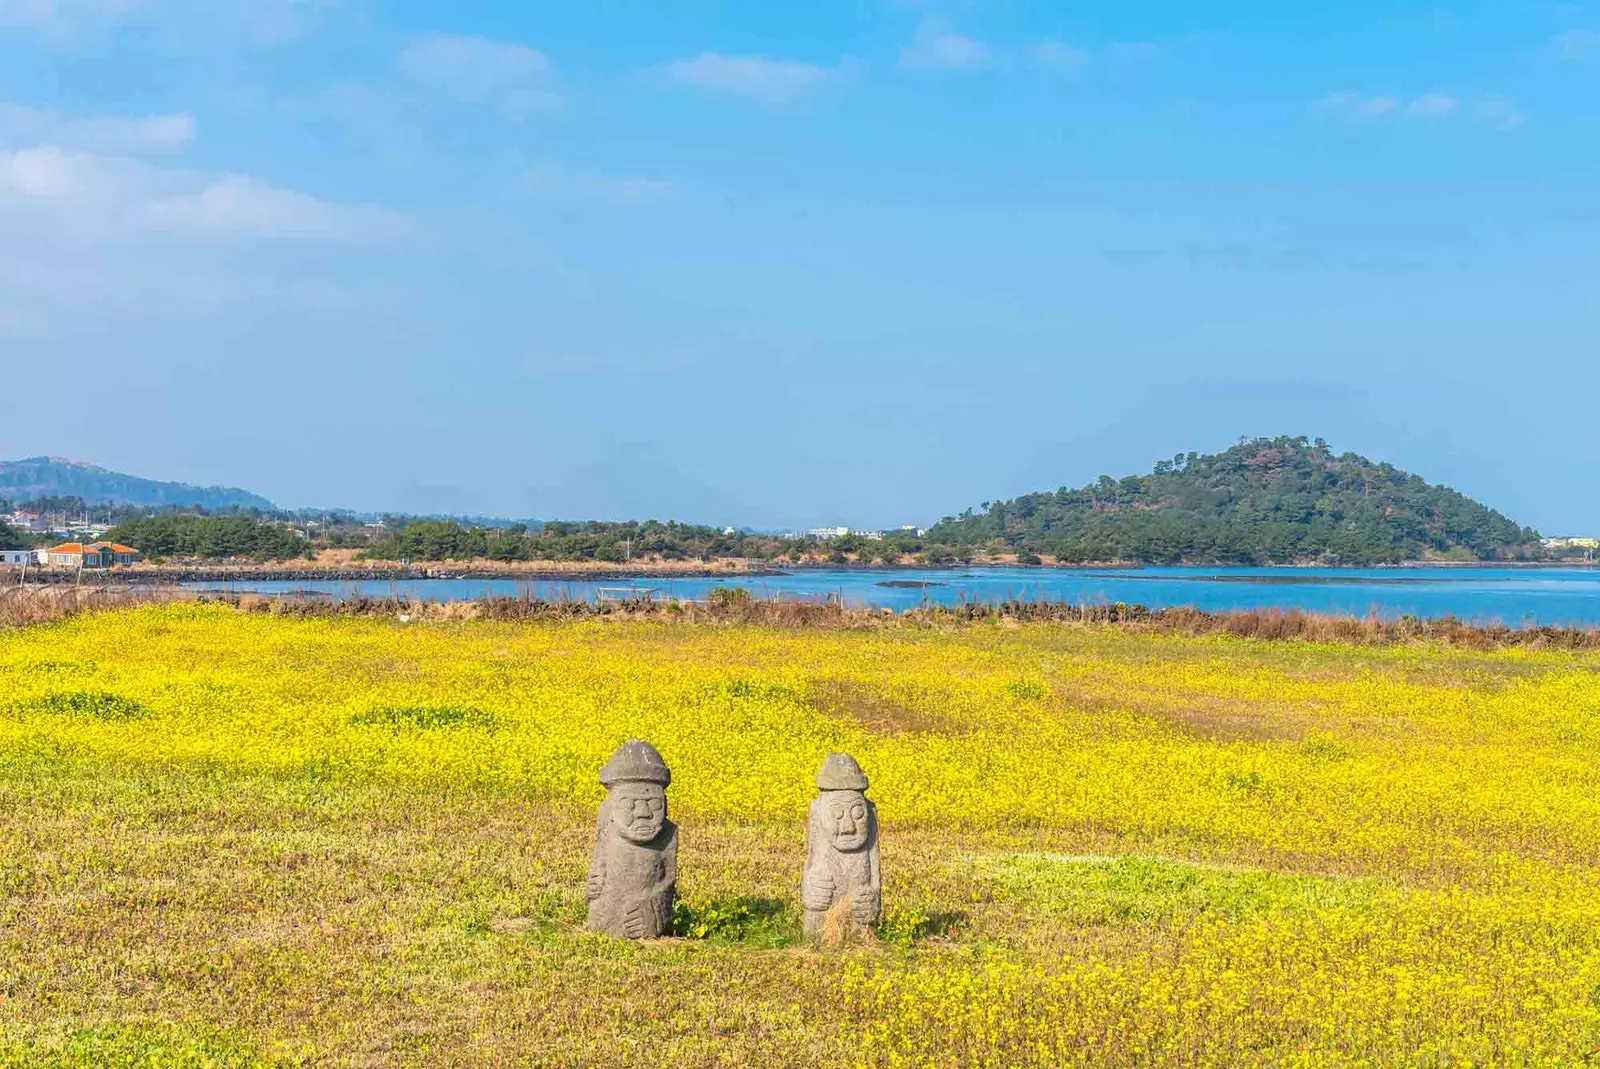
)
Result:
{"points": [[35, 477], [1264, 501]]}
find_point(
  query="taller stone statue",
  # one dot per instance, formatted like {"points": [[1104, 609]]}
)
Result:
{"points": [[841, 848], [634, 875]]}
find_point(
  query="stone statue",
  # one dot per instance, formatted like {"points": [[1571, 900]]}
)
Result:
{"points": [[842, 847], [635, 870]]}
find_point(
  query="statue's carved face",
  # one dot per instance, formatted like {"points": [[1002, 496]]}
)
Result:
{"points": [[844, 815], [638, 810]]}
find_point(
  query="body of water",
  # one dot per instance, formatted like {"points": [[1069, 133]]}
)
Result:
{"points": [[1515, 596]]}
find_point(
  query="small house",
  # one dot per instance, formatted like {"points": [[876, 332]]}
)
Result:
{"points": [[93, 555]]}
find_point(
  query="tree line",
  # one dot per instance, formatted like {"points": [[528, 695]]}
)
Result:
{"points": [[617, 543], [209, 537]]}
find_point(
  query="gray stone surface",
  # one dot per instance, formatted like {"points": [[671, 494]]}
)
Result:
{"points": [[633, 878], [842, 847]]}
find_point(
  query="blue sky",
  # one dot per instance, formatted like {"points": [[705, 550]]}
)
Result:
{"points": [[849, 261]]}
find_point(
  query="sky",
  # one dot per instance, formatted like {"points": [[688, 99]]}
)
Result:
{"points": [[861, 262]]}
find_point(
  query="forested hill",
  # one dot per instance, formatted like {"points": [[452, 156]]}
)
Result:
{"points": [[1265, 501], [39, 477]]}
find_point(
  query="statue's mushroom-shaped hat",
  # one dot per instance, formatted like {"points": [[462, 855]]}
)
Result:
{"points": [[841, 773], [636, 761]]}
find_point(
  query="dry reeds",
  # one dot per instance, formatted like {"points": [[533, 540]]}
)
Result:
{"points": [[23, 606]]}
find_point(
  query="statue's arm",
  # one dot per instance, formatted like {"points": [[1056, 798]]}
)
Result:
{"points": [[597, 876], [669, 869], [816, 885], [867, 902], [651, 908]]}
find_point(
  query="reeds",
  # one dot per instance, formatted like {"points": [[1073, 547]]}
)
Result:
{"points": [[23, 606]]}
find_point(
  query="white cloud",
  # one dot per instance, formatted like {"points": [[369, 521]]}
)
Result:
{"points": [[56, 16], [1431, 105], [95, 198], [1579, 44], [49, 174], [1057, 55], [476, 70], [1359, 108], [238, 206], [1499, 113], [775, 81], [558, 182], [261, 21], [102, 133], [935, 47], [1135, 51], [1355, 107]]}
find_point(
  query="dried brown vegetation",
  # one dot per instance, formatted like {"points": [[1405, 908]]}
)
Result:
{"points": [[20, 606]]}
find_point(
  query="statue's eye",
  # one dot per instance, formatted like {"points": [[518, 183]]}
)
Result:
{"points": [[858, 813], [838, 811]]}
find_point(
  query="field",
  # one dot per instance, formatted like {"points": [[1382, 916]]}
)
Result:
{"points": [[233, 839]]}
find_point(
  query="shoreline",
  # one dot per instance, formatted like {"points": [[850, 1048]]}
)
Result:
{"points": [[590, 572], [27, 606]]}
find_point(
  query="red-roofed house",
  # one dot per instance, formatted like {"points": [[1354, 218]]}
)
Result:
{"points": [[95, 555]]}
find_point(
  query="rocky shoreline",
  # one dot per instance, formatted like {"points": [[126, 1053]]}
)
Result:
{"points": [[166, 575]]}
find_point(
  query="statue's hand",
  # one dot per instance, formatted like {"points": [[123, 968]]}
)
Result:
{"points": [[596, 884], [635, 924], [816, 892], [864, 906]]}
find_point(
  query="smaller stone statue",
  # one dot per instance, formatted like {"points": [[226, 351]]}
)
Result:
{"points": [[634, 875], [842, 847]]}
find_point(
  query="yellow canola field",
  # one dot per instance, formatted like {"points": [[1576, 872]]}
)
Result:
{"points": [[242, 839]]}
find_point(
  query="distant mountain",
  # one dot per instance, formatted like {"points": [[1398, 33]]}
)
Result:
{"points": [[1265, 501], [23, 480]]}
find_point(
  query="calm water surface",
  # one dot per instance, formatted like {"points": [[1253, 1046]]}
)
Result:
{"points": [[1515, 596]]}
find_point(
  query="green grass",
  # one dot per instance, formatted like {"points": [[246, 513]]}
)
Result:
{"points": [[1096, 890], [135, 1047]]}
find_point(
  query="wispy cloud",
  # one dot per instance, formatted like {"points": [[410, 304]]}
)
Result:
{"points": [[1431, 105], [239, 206], [93, 197], [513, 78], [937, 47], [1363, 108], [1354, 106], [257, 21], [773, 81], [56, 16], [1579, 44], [1053, 55], [1499, 113], [1135, 51], [1058, 55], [101, 133], [559, 182]]}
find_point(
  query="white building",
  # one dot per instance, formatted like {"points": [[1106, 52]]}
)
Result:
{"points": [[827, 534], [16, 558]]}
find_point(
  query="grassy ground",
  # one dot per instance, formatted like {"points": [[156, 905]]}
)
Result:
{"points": [[233, 839]]}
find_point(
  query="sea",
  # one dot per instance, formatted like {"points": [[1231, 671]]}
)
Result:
{"points": [[1512, 596]]}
